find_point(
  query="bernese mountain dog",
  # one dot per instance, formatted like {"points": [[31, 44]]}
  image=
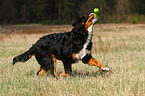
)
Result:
{"points": [[69, 47]]}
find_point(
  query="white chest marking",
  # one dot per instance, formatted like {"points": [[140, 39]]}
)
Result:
{"points": [[85, 51]]}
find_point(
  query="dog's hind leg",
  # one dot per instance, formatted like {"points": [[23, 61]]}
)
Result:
{"points": [[53, 69], [41, 72], [46, 61]]}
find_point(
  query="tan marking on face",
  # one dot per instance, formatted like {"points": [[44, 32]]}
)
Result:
{"points": [[88, 24]]}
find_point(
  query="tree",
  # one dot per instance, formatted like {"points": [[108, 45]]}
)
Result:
{"points": [[106, 7], [139, 6], [7, 11], [67, 12], [123, 7]]}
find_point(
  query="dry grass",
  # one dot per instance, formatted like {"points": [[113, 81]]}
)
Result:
{"points": [[121, 47]]}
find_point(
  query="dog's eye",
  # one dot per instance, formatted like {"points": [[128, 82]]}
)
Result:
{"points": [[91, 19]]}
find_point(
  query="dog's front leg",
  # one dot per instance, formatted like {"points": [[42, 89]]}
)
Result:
{"points": [[94, 62], [67, 68]]}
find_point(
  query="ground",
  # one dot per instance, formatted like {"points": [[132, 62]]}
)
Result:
{"points": [[121, 47]]}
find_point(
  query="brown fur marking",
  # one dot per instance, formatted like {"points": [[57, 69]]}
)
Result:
{"points": [[94, 62]]}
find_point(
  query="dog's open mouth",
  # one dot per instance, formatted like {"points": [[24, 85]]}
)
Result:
{"points": [[93, 19]]}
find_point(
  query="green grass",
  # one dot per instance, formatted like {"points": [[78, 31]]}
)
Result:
{"points": [[119, 47]]}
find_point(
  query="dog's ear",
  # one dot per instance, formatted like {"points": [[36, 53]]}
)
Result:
{"points": [[74, 22], [79, 22]]}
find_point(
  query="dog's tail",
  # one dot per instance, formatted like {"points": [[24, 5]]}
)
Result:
{"points": [[25, 56]]}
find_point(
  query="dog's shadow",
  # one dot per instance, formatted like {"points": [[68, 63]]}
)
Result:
{"points": [[92, 74], [81, 74]]}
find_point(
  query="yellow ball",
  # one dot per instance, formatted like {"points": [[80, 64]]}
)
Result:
{"points": [[96, 10]]}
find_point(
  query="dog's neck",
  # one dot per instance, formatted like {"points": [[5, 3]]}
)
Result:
{"points": [[90, 29], [89, 38], [84, 51], [90, 34]]}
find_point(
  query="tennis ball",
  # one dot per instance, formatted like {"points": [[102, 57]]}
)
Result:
{"points": [[96, 10]]}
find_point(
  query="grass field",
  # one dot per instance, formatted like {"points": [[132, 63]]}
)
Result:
{"points": [[121, 47]]}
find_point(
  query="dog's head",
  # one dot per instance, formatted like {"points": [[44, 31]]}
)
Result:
{"points": [[85, 21]]}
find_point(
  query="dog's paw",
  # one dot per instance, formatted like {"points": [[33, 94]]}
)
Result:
{"points": [[105, 69], [63, 75]]}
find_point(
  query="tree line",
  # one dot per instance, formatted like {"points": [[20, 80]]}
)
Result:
{"points": [[38, 11]]}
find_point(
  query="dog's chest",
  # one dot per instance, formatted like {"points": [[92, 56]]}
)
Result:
{"points": [[85, 51]]}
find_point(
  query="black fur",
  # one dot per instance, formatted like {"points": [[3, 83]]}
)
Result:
{"points": [[61, 45], [25, 56]]}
